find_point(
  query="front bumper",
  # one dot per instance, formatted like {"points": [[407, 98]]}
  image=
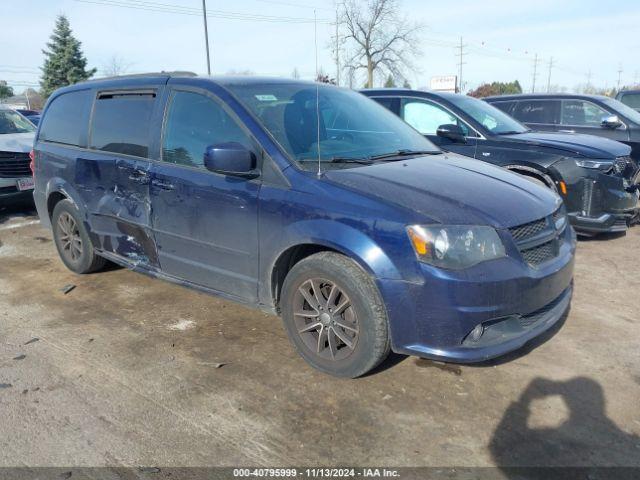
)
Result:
{"points": [[11, 196], [598, 202], [515, 303]]}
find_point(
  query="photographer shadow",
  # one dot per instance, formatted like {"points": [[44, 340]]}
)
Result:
{"points": [[583, 437]]}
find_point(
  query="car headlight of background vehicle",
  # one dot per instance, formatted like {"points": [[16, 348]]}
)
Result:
{"points": [[455, 246], [604, 165]]}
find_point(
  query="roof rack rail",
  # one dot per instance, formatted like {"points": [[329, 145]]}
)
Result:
{"points": [[149, 74]]}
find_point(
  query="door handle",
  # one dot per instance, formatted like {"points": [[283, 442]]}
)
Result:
{"points": [[163, 185], [139, 176]]}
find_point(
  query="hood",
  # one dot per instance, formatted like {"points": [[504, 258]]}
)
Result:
{"points": [[452, 189], [575, 144], [16, 142]]}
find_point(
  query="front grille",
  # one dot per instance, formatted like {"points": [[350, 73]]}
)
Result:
{"points": [[539, 241], [542, 253], [528, 230], [13, 164]]}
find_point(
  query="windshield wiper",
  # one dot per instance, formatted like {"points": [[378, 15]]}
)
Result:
{"points": [[362, 161], [404, 153], [513, 132]]}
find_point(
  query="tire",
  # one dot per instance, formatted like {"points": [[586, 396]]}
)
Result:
{"points": [[537, 181], [72, 240], [341, 341]]}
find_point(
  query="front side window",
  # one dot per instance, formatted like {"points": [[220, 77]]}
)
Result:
{"points": [[581, 113], [537, 111], [121, 123], [619, 107], [426, 117], [66, 118], [13, 122], [194, 122], [495, 121], [331, 123]]}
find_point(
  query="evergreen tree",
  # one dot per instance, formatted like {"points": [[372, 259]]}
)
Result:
{"points": [[390, 82], [64, 62], [5, 90]]}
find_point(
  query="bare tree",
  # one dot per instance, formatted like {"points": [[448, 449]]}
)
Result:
{"points": [[378, 39], [115, 67]]}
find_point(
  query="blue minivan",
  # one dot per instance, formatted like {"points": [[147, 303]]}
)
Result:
{"points": [[308, 201]]}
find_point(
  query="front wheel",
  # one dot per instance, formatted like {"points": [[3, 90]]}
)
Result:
{"points": [[334, 315]]}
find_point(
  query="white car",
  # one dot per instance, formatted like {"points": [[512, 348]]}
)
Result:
{"points": [[16, 141]]}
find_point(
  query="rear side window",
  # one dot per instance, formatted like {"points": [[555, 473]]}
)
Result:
{"points": [[121, 123], [537, 111], [389, 103], [631, 99], [506, 107], [65, 120]]}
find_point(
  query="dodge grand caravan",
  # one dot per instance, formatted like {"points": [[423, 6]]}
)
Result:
{"points": [[308, 201]]}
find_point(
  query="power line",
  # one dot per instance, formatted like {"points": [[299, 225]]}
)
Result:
{"points": [[180, 10]]}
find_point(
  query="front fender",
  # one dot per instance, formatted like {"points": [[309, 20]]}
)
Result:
{"points": [[335, 235]]}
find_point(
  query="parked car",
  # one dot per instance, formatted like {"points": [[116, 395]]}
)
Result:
{"points": [[354, 228], [631, 98], [32, 115], [16, 141], [595, 176], [590, 114]]}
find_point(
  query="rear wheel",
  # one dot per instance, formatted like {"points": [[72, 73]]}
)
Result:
{"points": [[72, 240], [334, 315]]}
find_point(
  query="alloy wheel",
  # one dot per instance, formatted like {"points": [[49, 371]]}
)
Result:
{"points": [[69, 236], [325, 319]]}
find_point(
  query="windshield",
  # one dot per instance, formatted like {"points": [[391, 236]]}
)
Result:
{"points": [[351, 127], [623, 109], [13, 122], [491, 118]]}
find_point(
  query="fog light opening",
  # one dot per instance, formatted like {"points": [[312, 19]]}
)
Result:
{"points": [[476, 333]]}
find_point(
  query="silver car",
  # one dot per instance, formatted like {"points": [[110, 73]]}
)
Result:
{"points": [[16, 141]]}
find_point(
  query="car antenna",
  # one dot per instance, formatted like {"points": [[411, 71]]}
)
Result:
{"points": [[315, 33]]}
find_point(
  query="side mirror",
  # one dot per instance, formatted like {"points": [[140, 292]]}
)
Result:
{"points": [[232, 158], [451, 132], [612, 122]]}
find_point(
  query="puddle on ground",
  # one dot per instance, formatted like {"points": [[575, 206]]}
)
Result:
{"points": [[446, 367]]}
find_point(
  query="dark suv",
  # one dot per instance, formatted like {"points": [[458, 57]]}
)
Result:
{"points": [[308, 201], [595, 176], [631, 98], [591, 114]]}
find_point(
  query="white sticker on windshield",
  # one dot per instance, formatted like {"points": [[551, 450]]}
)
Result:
{"points": [[267, 98]]}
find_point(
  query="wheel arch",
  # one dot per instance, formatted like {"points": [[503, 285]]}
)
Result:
{"points": [[533, 172], [346, 240]]}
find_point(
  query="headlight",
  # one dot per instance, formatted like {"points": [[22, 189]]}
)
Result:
{"points": [[455, 247], [595, 164]]}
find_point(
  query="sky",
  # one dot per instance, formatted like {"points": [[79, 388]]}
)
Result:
{"points": [[501, 38]]}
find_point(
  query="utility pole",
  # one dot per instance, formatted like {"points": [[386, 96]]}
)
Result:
{"points": [[206, 35], [535, 73], [549, 79], [619, 77], [460, 55], [588, 87], [337, 46]]}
